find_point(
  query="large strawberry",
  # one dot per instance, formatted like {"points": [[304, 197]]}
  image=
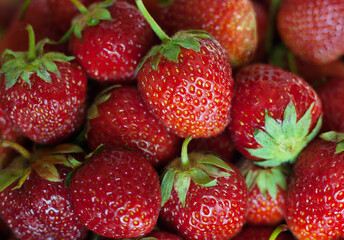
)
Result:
{"points": [[331, 94], [313, 29], [117, 194], [43, 94], [231, 22], [34, 201], [275, 114], [110, 50], [314, 204], [187, 82], [203, 197], [120, 118]]}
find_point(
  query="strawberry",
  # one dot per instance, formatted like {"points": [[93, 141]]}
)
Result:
{"points": [[315, 192], [161, 235], [202, 197], [120, 118], [312, 29], [111, 50], [7, 10], [331, 94], [187, 82], [117, 194], [261, 233], [275, 114], [34, 200], [231, 22], [43, 94]]}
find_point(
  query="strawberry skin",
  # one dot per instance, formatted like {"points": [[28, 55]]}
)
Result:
{"points": [[160, 235], [313, 29], [41, 209], [193, 96], [111, 50], [47, 113], [266, 96], [331, 94], [124, 120], [117, 194], [216, 212], [314, 208], [231, 22]]}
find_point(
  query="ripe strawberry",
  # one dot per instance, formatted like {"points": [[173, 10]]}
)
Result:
{"points": [[231, 22], [111, 50], [221, 145], [261, 233], [43, 94], [315, 193], [275, 114], [312, 29], [160, 235], [187, 82], [331, 94], [7, 10], [203, 197], [120, 118], [34, 201], [117, 194]]}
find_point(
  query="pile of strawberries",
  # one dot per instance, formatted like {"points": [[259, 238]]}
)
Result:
{"points": [[172, 119]]}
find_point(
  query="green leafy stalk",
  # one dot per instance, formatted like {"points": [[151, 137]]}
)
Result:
{"points": [[32, 42], [24, 8], [278, 230], [80, 6], [184, 155]]}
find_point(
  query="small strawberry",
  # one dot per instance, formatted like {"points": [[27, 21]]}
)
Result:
{"points": [[109, 40], [120, 118], [34, 201], [231, 22], [203, 197], [263, 233], [43, 94], [187, 82], [314, 204], [313, 29], [331, 94], [275, 114], [116, 194]]}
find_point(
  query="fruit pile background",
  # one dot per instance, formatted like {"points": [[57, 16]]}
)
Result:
{"points": [[172, 119]]}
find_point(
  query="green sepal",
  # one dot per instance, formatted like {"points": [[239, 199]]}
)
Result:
{"points": [[268, 181], [201, 178], [96, 151], [65, 148], [335, 137], [282, 142], [214, 160], [182, 183], [167, 185], [16, 170]]}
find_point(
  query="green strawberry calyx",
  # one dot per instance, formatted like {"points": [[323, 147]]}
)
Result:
{"points": [[42, 161], [282, 142], [90, 16], [24, 64], [201, 168], [335, 137], [170, 47], [268, 180]]}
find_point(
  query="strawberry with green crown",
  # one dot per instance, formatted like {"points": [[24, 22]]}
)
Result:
{"points": [[43, 94], [275, 114], [187, 82]]}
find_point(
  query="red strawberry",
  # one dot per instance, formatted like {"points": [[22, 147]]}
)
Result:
{"points": [[231, 22], [43, 94], [275, 114], [117, 194], [34, 201], [203, 197], [221, 144], [7, 10], [187, 82], [261, 233], [313, 29], [160, 235], [314, 204], [331, 94], [111, 50], [119, 118]]}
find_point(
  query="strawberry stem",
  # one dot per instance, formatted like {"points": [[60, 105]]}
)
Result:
{"points": [[274, 5], [184, 154], [277, 231], [24, 8], [25, 153], [80, 7], [156, 28], [32, 43]]}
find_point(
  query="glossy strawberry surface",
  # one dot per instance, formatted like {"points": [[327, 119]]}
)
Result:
{"points": [[117, 194], [313, 29], [111, 50], [125, 121], [191, 97], [47, 112]]}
